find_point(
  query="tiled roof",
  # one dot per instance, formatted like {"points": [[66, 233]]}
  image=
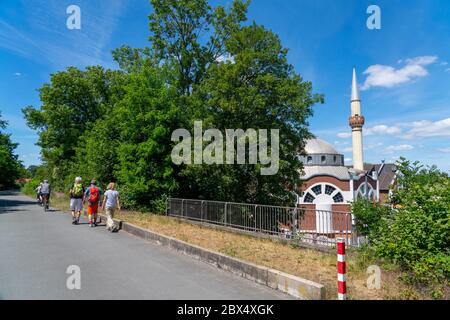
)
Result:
{"points": [[386, 176], [340, 173]]}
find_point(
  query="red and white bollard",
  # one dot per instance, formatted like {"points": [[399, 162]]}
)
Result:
{"points": [[342, 287]]}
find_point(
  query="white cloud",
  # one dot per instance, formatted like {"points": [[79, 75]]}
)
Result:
{"points": [[447, 70], [428, 129], [388, 77], [376, 130], [382, 130], [422, 61], [344, 135], [348, 149], [444, 63], [407, 130], [17, 74], [397, 148], [45, 38], [373, 146], [444, 150]]}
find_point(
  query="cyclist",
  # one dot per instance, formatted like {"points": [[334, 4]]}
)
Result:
{"points": [[45, 191], [76, 200], [92, 195], [38, 193]]}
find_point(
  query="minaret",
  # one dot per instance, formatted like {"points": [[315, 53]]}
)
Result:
{"points": [[356, 122]]}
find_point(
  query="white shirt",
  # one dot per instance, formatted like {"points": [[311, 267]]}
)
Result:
{"points": [[111, 198]]}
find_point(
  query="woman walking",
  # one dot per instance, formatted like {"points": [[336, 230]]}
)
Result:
{"points": [[111, 203]]}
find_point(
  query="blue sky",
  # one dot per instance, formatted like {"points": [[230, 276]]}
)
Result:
{"points": [[403, 69]]}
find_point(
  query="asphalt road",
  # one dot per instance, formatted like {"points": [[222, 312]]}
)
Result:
{"points": [[36, 249]]}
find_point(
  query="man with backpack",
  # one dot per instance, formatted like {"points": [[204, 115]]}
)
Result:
{"points": [[76, 200], [92, 195]]}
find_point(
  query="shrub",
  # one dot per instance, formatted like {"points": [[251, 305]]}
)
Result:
{"points": [[370, 216], [415, 235], [30, 187]]}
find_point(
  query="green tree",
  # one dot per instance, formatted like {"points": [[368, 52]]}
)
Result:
{"points": [[418, 236], [259, 89], [10, 166], [146, 117], [189, 35], [71, 104], [415, 232]]}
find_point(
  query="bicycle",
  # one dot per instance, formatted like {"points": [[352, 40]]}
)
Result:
{"points": [[45, 202]]}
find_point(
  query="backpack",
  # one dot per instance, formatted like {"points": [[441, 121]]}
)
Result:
{"points": [[94, 195], [77, 191]]}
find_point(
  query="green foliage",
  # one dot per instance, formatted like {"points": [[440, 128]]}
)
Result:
{"points": [[30, 187], [260, 90], [159, 206], [179, 29], [370, 216], [10, 166], [71, 103], [146, 116], [202, 63], [416, 234]]}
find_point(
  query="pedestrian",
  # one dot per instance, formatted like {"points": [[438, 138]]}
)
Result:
{"points": [[76, 199], [93, 195], [111, 203]]}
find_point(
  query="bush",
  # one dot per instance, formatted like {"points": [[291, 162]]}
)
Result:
{"points": [[30, 187], [370, 216], [159, 206], [416, 234]]}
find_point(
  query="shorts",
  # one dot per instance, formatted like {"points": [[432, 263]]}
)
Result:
{"points": [[92, 209], [76, 205]]}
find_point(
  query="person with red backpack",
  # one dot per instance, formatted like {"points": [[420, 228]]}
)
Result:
{"points": [[93, 195]]}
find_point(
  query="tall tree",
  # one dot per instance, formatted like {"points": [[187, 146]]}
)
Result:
{"points": [[145, 119], [191, 34], [71, 103], [258, 89], [10, 166]]}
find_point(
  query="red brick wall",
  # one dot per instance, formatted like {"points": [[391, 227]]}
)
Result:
{"points": [[341, 184]]}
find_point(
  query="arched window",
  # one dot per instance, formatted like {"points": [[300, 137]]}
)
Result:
{"points": [[338, 198], [317, 189], [329, 190], [323, 193], [365, 190], [323, 159], [309, 160], [309, 198]]}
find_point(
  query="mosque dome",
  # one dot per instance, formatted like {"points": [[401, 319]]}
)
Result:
{"points": [[317, 146], [321, 153]]}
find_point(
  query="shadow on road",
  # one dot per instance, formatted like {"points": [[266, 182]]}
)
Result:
{"points": [[9, 192], [8, 206]]}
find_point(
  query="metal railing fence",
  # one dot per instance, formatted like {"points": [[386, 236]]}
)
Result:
{"points": [[310, 226]]}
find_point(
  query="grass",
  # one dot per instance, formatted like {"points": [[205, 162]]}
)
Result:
{"points": [[306, 263]]}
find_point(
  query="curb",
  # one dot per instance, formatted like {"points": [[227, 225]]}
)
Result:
{"points": [[295, 286]]}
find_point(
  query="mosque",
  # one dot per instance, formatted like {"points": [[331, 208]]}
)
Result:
{"points": [[330, 185]]}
